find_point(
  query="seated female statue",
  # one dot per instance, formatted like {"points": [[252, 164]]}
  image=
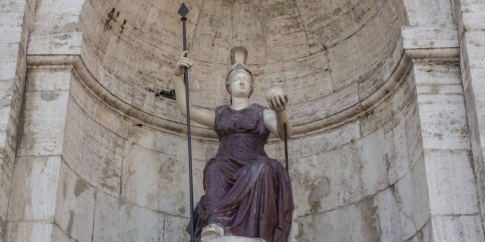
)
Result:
{"points": [[247, 193]]}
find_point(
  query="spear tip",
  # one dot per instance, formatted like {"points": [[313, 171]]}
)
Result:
{"points": [[183, 10]]}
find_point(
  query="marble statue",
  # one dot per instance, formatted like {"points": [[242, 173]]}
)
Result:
{"points": [[247, 193]]}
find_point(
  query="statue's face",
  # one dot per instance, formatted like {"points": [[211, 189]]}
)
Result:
{"points": [[241, 85]]}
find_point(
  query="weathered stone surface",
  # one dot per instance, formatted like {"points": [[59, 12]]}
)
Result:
{"points": [[45, 113], [356, 222], [305, 229], [34, 189], [458, 228], [118, 220], [156, 181], [75, 205], [94, 152], [452, 181], [35, 231], [402, 171]]}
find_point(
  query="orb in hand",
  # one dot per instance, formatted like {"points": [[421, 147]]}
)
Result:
{"points": [[273, 92]]}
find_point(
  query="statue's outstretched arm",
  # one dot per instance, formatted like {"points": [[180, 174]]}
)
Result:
{"points": [[200, 115], [275, 119]]}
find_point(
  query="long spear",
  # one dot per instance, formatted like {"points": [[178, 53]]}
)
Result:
{"points": [[183, 11]]}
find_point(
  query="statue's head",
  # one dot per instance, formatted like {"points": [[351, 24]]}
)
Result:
{"points": [[239, 69]]}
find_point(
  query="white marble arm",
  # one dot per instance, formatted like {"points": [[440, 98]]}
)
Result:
{"points": [[200, 115]]}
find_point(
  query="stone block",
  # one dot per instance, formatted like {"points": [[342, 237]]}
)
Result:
{"points": [[44, 123], [471, 14], [171, 144], [55, 44], [320, 108], [98, 111], [158, 181], [400, 164], [373, 169], [413, 133], [45, 80], [324, 188], [457, 228], [75, 205], [355, 222], [412, 200], [332, 139], [45, 114], [442, 110], [389, 216], [355, 57], [92, 151], [118, 220], [423, 235], [34, 189], [428, 13], [426, 37], [451, 181], [286, 37], [29, 231], [174, 229], [306, 228], [35, 232]]}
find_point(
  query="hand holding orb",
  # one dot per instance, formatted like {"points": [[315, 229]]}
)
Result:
{"points": [[276, 98]]}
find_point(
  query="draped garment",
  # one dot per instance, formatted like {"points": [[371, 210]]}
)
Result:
{"points": [[246, 193]]}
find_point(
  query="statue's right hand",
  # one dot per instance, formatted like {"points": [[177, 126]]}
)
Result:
{"points": [[183, 63]]}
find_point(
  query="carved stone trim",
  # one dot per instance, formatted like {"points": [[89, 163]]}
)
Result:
{"points": [[116, 104]]}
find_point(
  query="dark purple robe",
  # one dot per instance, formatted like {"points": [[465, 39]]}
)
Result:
{"points": [[246, 193]]}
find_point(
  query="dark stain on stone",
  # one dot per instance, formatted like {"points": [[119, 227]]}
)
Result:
{"points": [[49, 96], [321, 190], [167, 170], [435, 89], [182, 210], [123, 27], [57, 43], [64, 190], [111, 17], [29, 139], [439, 136], [71, 222], [3, 227], [71, 27], [370, 216], [337, 12], [64, 37], [80, 187]]}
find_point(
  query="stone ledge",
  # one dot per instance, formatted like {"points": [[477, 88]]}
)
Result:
{"points": [[234, 239], [113, 102]]}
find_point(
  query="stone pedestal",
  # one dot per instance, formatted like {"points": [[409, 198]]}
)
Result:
{"points": [[233, 239]]}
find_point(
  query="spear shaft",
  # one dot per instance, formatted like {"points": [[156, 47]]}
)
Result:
{"points": [[183, 11]]}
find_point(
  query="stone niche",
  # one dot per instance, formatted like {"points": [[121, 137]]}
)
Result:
{"points": [[370, 99]]}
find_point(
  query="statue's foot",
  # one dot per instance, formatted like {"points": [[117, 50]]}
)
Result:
{"points": [[211, 231]]}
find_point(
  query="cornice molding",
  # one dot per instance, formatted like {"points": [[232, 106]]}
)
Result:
{"points": [[116, 104]]}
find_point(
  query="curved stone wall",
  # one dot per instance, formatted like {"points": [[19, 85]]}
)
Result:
{"points": [[322, 53], [115, 168], [126, 176]]}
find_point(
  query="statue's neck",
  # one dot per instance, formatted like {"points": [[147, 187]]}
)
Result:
{"points": [[239, 103]]}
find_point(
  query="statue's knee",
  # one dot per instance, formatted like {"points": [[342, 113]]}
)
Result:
{"points": [[265, 167], [213, 169]]}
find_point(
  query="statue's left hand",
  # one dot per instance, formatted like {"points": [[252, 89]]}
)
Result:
{"points": [[276, 99]]}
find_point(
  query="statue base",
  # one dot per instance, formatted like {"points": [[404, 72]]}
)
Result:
{"points": [[232, 239]]}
